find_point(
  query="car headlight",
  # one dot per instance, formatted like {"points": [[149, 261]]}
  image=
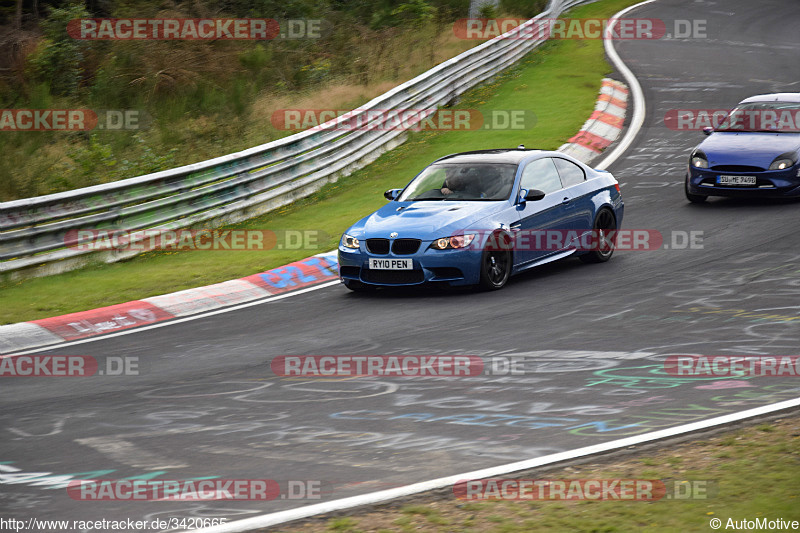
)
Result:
{"points": [[784, 161], [453, 243], [348, 241], [698, 159]]}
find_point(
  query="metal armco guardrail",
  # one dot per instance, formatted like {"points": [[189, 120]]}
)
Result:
{"points": [[238, 186]]}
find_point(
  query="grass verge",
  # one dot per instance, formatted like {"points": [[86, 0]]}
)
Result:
{"points": [[752, 473], [558, 82]]}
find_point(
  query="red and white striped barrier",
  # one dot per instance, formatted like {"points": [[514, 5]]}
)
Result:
{"points": [[604, 126]]}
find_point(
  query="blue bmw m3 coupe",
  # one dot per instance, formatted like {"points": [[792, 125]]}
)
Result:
{"points": [[476, 218]]}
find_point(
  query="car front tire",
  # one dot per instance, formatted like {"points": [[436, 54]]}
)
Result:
{"points": [[694, 198], [604, 224], [495, 268]]}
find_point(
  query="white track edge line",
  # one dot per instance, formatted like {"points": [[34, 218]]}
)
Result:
{"points": [[637, 120], [281, 517]]}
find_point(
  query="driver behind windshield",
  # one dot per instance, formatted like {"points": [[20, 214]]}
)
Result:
{"points": [[479, 182], [484, 182], [464, 182]]}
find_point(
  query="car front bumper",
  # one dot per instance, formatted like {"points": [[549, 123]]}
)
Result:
{"points": [[769, 183], [453, 267]]}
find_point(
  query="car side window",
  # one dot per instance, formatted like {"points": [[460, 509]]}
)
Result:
{"points": [[571, 174], [542, 175]]}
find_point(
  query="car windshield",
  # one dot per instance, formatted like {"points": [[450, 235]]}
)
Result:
{"points": [[462, 181], [774, 117]]}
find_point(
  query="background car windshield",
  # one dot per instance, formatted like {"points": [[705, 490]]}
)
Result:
{"points": [[465, 181], [781, 117]]}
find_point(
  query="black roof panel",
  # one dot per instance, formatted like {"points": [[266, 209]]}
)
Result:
{"points": [[498, 155]]}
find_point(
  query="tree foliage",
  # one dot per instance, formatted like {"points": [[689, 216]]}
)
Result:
{"points": [[58, 58]]}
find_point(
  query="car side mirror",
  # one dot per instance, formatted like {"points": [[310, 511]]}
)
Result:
{"points": [[531, 195], [391, 194], [708, 130]]}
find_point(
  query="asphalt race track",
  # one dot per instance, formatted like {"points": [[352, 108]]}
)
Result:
{"points": [[594, 337]]}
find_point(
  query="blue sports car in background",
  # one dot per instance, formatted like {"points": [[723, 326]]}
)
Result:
{"points": [[754, 152], [477, 218]]}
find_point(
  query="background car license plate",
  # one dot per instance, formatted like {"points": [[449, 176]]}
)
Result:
{"points": [[391, 264], [736, 180]]}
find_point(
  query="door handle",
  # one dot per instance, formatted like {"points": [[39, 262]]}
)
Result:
{"points": [[566, 200]]}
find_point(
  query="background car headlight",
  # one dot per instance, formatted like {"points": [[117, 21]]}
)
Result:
{"points": [[784, 161], [455, 242], [698, 159], [348, 241]]}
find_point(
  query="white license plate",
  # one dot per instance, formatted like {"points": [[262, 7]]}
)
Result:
{"points": [[391, 264], [736, 180]]}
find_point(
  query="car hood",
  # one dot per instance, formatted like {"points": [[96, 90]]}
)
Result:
{"points": [[425, 220], [755, 149]]}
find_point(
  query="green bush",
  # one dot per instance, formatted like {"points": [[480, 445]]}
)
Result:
{"points": [[58, 58], [487, 11], [256, 59], [414, 13], [523, 8]]}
